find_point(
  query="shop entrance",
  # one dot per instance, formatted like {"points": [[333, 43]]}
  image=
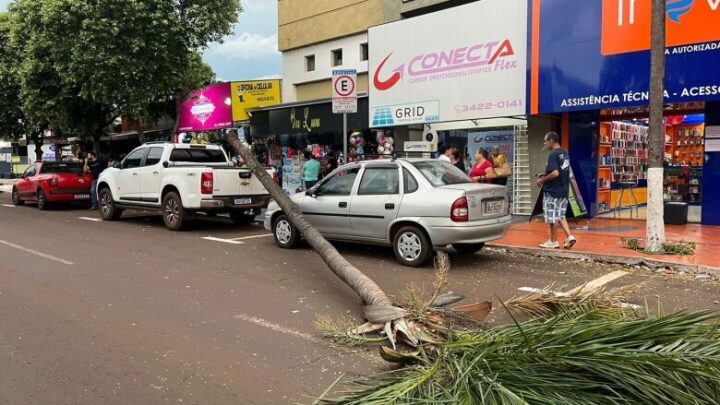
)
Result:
{"points": [[623, 163]]}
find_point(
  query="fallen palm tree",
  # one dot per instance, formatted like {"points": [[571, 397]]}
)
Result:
{"points": [[581, 356]]}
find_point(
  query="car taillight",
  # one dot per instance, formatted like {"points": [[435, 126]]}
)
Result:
{"points": [[459, 211], [54, 181], [206, 183]]}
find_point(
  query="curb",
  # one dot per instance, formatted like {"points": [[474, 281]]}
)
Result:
{"points": [[610, 259]]}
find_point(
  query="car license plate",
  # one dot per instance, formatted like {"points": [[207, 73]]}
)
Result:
{"points": [[243, 201], [493, 207], [82, 196]]}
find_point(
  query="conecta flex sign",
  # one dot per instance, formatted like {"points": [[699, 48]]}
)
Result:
{"points": [[472, 66]]}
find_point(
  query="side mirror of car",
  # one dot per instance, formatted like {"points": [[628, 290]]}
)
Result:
{"points": [[116, 165], [166, 164]]}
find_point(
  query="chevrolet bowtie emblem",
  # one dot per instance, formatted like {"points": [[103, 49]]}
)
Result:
{"points": [[245, 183]]}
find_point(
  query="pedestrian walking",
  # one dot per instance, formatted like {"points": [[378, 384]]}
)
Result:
{"points": [[483, 171], [448, 153], [555, 185], [456, 160], [310, 170], [94, 166], [500, 164]]}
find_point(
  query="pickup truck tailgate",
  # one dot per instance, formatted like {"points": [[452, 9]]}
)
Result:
{"points": [[237, 182]]}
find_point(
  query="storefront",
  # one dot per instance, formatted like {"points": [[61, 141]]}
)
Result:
{"points": [[591, 67], [282, 134], [464, 84]]}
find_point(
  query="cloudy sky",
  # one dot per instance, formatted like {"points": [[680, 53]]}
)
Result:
{"points": [[251, 52]]}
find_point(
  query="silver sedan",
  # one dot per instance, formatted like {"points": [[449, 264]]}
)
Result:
{"points": [[413, 205]]}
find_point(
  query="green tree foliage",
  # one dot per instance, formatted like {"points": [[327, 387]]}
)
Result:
{"points": [[83, 63], [11, 116]]}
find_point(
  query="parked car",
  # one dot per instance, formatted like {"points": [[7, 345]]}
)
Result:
{"points": [[179, 180], [413, 205], [52, 182]]}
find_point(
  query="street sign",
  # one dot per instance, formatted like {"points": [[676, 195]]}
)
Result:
{"points": [[344, 90]]}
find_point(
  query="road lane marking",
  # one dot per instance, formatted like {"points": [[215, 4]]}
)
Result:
{"points": [[279, 328], [230, 241], [90, 219], [305, 336], [254, 236], [36, 253], [8, 205]]}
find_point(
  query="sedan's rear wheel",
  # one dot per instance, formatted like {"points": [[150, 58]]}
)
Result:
{"points": [[286, 235], [468, 248], [42, 200], [16, 198], [108, 210], [411, 246]]}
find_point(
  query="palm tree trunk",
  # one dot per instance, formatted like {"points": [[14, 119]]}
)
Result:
{"points": [[363, 286], [655, 220]]}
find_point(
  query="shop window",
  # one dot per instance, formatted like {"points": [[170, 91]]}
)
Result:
{"points": [[363, 52], [380, 181], [310, 63], [337, 57]]}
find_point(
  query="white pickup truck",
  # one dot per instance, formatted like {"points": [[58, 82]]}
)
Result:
{"points": [[180, 180]]}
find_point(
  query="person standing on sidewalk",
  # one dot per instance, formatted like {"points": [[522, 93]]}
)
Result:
{"points": [[94, 166], [310, 170], [555, 185]]}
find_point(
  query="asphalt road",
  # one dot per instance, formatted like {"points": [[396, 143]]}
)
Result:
{"points": [[127, 312]]}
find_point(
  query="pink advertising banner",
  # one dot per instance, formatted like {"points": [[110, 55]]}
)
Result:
{"points": [[207, 109]]}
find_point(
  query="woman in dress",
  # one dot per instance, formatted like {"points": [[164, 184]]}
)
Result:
{"points": [[483, 171]]}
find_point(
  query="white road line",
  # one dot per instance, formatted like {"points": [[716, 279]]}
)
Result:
{"points": [[36, 253], [230, 241], [279, 328], [306, 336], [8, 205], [90, 219], [254, 236]]}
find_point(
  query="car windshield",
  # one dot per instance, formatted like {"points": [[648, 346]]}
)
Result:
{"points": [[72, 168], [441, 173]]}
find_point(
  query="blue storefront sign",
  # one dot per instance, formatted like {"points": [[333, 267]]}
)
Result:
{"points": [[594, 54]]}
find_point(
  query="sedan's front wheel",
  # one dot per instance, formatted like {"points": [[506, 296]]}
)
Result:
{"points": [[286, 235], [412, 247]]}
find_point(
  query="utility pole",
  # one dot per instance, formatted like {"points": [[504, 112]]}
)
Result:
{"points": [[655, 210]]}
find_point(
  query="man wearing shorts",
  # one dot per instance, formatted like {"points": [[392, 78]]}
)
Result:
{"points": [[555, 185]]}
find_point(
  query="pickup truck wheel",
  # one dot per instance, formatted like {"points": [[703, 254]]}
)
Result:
{"points": [[286, 235], [241, 218], [16, 198], [108, 210], [42, 200], [411, 246], [174, 215], [468, 248]]}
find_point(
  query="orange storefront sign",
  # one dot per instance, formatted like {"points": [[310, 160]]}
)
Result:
{"points": [[626, 24]]}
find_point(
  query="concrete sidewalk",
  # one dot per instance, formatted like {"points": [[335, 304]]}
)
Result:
{"points": [[599, 240]]}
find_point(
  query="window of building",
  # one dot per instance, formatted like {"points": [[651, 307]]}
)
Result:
{"points": [[310, 63], [337, 57], [363, 52]]}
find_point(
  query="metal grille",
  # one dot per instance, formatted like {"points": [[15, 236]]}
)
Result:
{"points": [[521, 182]]}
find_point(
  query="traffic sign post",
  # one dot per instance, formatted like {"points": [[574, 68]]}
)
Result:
{"points": [[344, 100]]}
